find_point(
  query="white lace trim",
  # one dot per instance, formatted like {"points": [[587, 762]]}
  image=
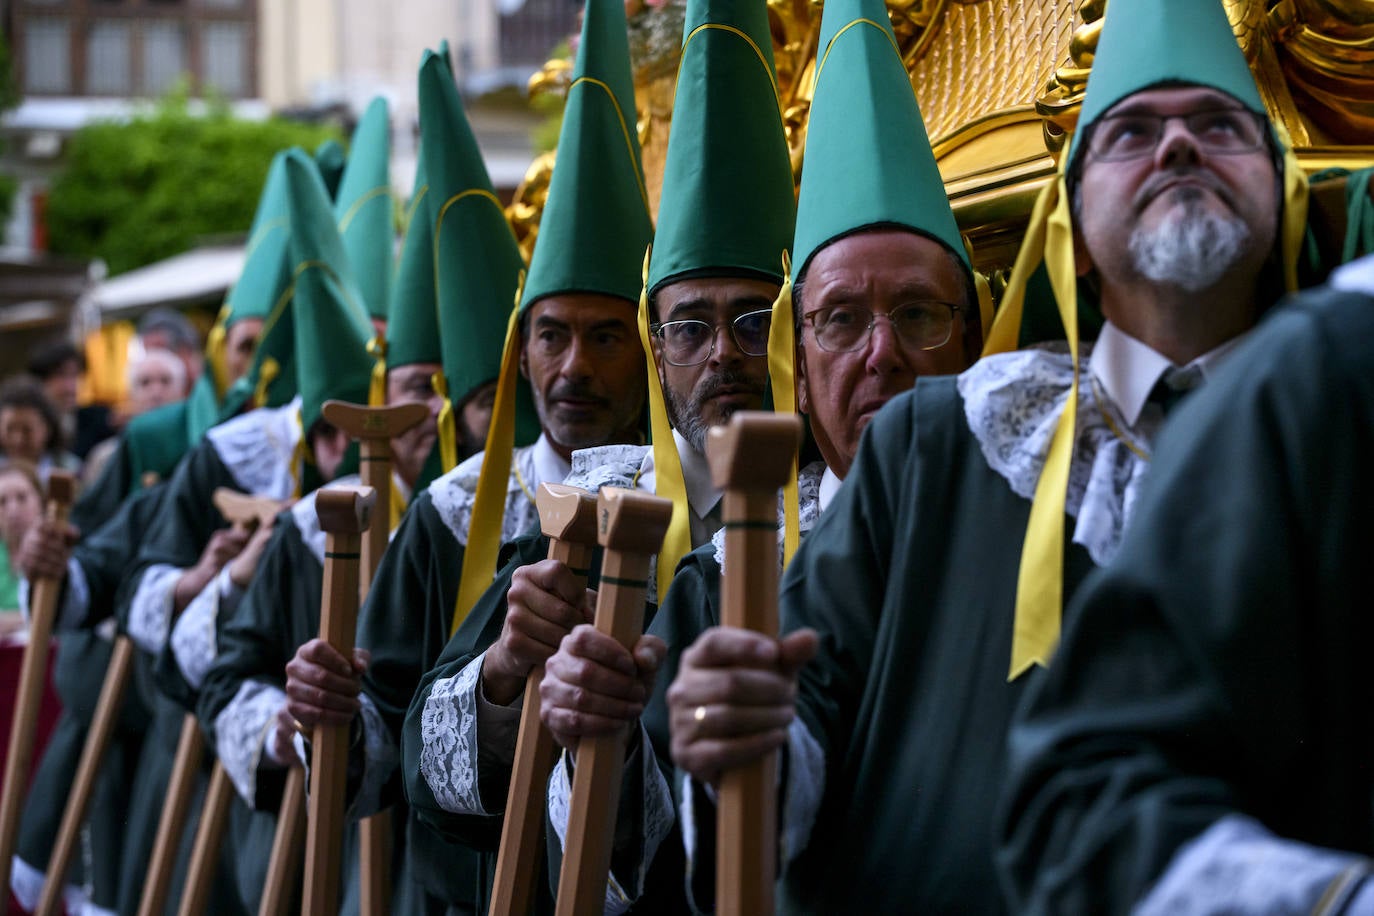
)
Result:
{"points": [[1355, 277], [241, 732], [257, 448], [455, 493], [615, 466], [802, 794], [150, 610], [560, 803], [1013, 402], [448, 740], [381, 757], [27, 884], [808, 510], [308, 520], [194, 639]]}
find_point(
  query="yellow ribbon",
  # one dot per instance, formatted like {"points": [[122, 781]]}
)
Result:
{"points": [[782, 356], [668, 480], [448, 429], [398, 506], [299, 456], [1040, 579], [1295, 192], [376, 390], [489, 506], [268, 371], [216, 354]]}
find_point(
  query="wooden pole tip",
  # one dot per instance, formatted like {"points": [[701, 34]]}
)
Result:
{"points": [[755, 450], [345, 510], [61, 487], [374, 422], [566, 513], [242, 509], [632, 520]]}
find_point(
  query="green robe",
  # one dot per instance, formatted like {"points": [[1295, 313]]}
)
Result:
{"points": [[1219, 666], [910, 579]]}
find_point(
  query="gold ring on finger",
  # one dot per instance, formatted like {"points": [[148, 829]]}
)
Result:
{"points": [[699, 714]]}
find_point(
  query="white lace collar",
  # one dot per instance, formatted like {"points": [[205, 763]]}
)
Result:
{"points": [[454, 493], [1355, 277], [307, 520], [813, 482], [258, 448]]}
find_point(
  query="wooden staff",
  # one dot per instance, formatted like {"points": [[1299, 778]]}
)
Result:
{"points": [[32, 674], [567, 515], [241, 510], [630, 528], [374, 428], [344, 514], [288, 846], [200, 873], [750, 460]]}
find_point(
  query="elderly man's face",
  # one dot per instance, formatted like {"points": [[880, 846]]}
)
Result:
{"points": [[886, 272], [583, 358], [711, 322], [1179, 214]]}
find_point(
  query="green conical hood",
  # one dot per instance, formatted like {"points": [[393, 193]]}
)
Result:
{"points": [[330, 160], [477, 263], [868, 157], [264, 275], [412, 333], [332, 327], [727, 205], [1148, 42], [363, 208], [596, 224]]}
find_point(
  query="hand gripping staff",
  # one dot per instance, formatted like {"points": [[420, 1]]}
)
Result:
{"points": [[630, 527], [344, 515], [246, 512], [750, 460], [32, 673], [567, 515]]}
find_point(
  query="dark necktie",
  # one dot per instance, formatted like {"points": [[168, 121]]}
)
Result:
{"points": [[1173, 386]]}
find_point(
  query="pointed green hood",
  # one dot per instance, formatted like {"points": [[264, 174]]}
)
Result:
{"points": [[728, 204], [330, 159], [363, 208], [264, 259], [412, 333], [331, 324], [596, 225], [868, 157], [1145, 43], [477, 263]]}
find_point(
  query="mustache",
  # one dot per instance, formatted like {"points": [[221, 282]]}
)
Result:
{"points": [[574, 391], [713, 385], [1160, 182]]}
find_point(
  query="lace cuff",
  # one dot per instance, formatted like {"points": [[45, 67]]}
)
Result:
{"points": [[150, 611], [241, 731], [1237, 866], [193, 635], [380, 759], [805, 783], [448, 736]]}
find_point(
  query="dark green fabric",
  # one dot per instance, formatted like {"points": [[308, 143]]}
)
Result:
{"points": [[412, 333], [728, 202], [331, 323], [868, 158], [1219, 664], [330, 159], [595, 227], [265, 271], [363, 209], [909, 578]]}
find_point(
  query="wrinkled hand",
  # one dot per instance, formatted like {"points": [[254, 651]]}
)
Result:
{"points": [[243, 566], [45, 549], [592, 685], [224, 545], [281, 748], [734, 697], [543, 605], [322, 686]]}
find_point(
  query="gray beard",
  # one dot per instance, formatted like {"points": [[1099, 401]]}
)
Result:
{"points": [[686, 420], [1193, 250]]}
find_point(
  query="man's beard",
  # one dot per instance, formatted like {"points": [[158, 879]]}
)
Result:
{"points": [[1192, 249], [686, 414]]}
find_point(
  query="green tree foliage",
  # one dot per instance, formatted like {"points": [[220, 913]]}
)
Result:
{"points": [[146, 189]]}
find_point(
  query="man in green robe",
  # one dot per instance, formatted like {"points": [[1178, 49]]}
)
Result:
{"points": [[906, 592], [1199, 745]]}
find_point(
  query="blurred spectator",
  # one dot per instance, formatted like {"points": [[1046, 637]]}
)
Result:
{"points": [[165, 329], [21, 503], [30, 429], [156, 377], [59, 366]]}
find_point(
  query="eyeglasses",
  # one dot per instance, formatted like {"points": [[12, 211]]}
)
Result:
{"points": [[923, 325], [690, 341], [1225, 131]]}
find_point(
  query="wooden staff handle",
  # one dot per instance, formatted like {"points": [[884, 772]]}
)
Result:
{"points": [[92, 755], [29, 697], [344, 513], [200, 875], [567, 515], [288, 845], [629, 523], [750, 460], [243, 510], [172, 824]]}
